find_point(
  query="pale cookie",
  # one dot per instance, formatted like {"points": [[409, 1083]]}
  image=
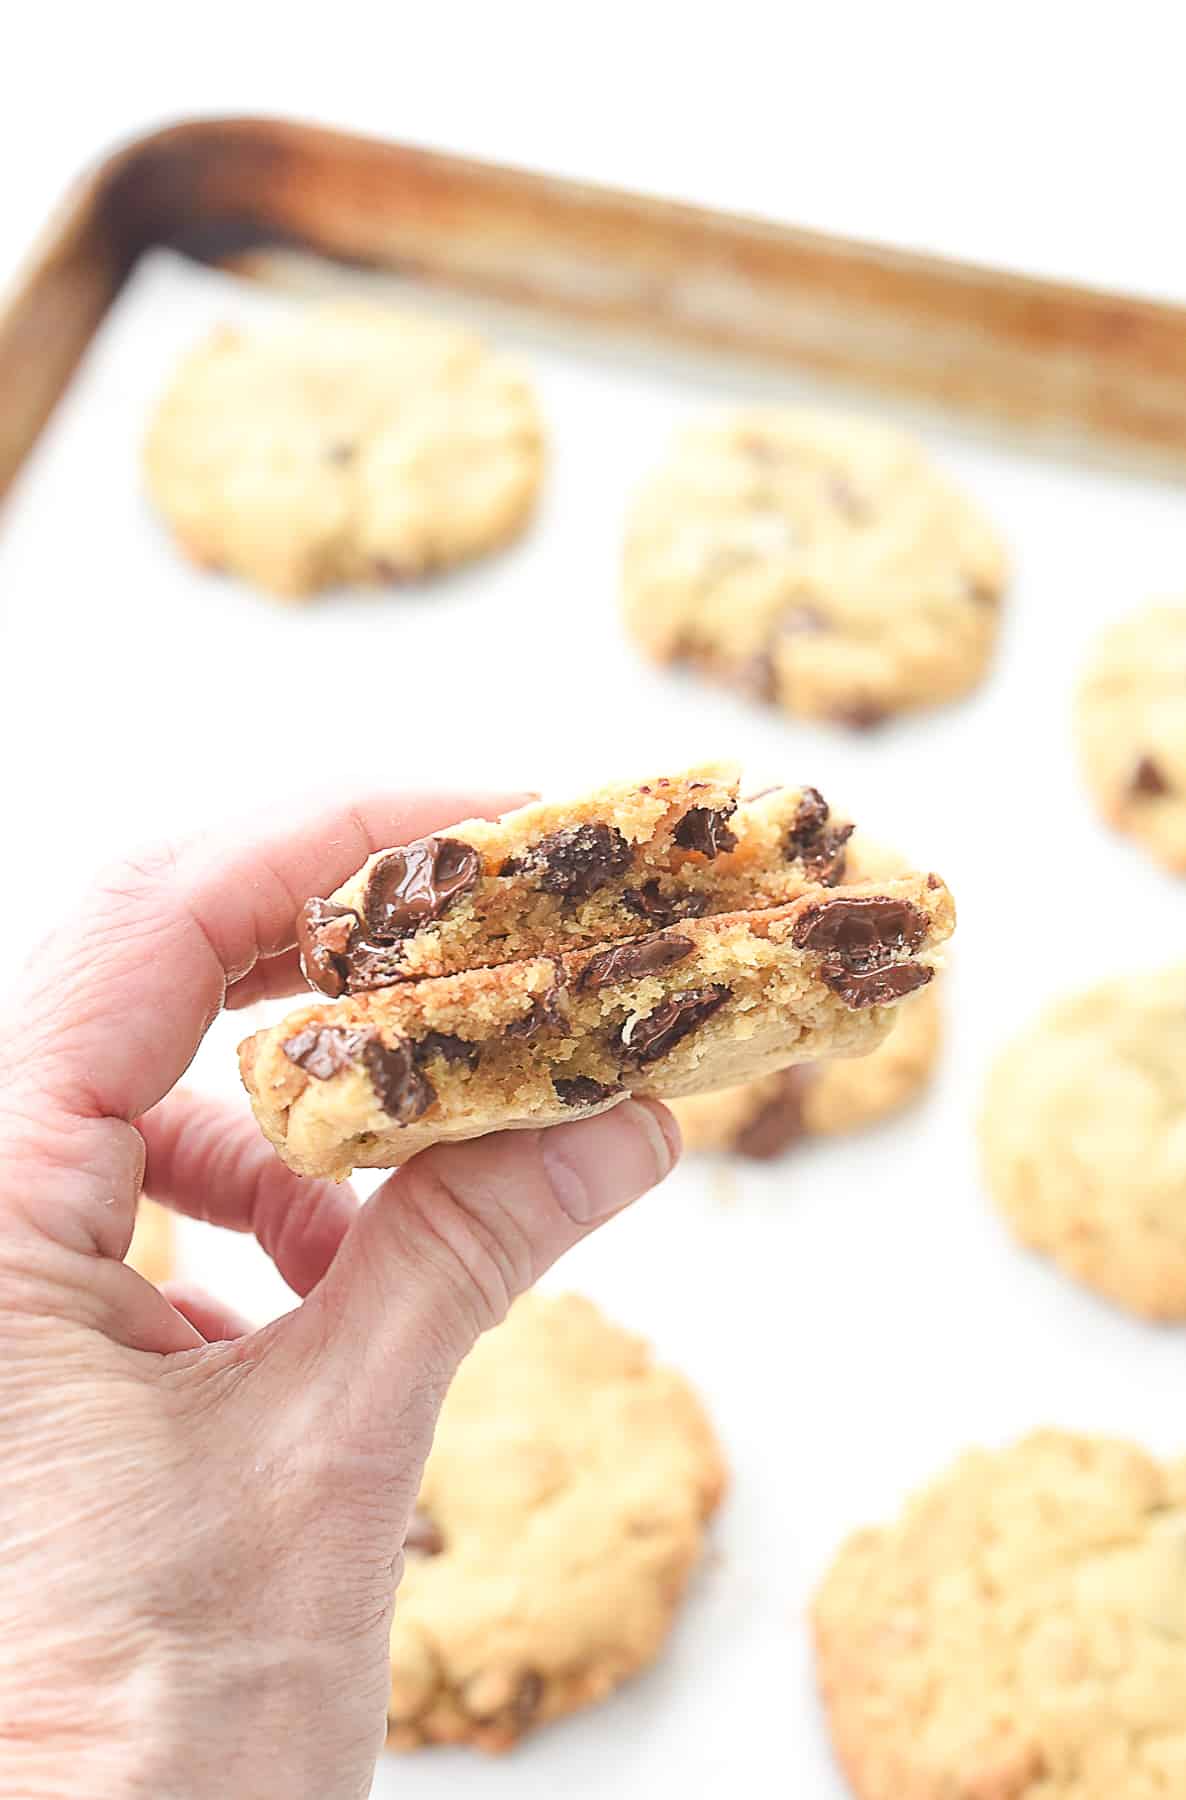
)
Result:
{"points": [[1084, 1139], [1018, 1634], [815, 561], [151, 1250], [351, 444], [369, 1080], [562, 1510], [558, 876], [1131, 719]]}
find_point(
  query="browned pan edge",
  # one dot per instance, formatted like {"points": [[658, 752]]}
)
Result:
{"points": [[1106, 369]]}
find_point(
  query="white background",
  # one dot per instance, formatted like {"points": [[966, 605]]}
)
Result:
{"points": [[855, 1315]]}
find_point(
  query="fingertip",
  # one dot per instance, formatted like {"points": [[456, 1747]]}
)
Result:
{"points": [[597, 1166]]}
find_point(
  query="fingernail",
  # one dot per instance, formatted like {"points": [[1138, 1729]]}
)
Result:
{"points": [[597, 1166]]}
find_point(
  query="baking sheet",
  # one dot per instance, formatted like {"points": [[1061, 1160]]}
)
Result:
{"points": [[854, 1315]]}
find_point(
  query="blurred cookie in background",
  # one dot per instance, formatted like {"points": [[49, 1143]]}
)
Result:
{"points": [[563, 1508], [1083, 1133], [152, 1250], [1018, 1633], [1131, 727], [350, 444], [815, 561]]}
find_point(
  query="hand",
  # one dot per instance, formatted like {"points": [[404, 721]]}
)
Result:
{"points": [[201, 1523]]}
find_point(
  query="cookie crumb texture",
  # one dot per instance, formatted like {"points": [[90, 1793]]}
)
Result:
{"points": [[369, 1080], [1131, 721], [1018, 1634], [815, 562], [350, 444], [562, 1510], [1083, 1133]]}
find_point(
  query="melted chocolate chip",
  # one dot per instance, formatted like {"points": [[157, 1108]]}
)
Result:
{"points": [[1147, 778], [861, 933], [626, 962], [662, 908], [324, 932], [816, 843], [402, 1090], [704, 828], [450, 1049], [411, 887], [544, 1014], [574, 862], [670, 1023], [423, 1534], [371, 966], [779, 1124], [582, 1090], [324, 1050], [874, 987]]}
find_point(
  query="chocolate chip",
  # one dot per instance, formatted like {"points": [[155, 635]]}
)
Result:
{"points": [[982, 592], [704, 828], [324, 932], [818, 844], [450, 1049], [371, 966], [626, 962], [862, 715], [423, 1534], [779, 1124], [528, 1695], [544, 1014], [411, 887], [861, 933], [646, 1039], [574, 862], [874, 987], [341, 453], [402, 1090], [324, 1050], [582, 1090], [1147, 778], [650, 903]]}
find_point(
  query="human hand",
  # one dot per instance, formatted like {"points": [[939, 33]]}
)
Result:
{"points": [[202, 1522]]}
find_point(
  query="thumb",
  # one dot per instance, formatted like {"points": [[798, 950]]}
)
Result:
{"points": [[438, 1253]]}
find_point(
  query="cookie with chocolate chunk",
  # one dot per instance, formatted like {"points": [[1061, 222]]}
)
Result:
{"points": [[370, 1079], [558, 876], [816, 562], [1017, 1633], [1131, 719], [350, 444], [562, 1511], [1083, 1133]]}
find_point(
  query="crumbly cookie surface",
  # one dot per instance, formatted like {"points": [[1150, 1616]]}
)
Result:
{"points": [[559, 876], [1018, 1634], [351, 444], [1131, 723], [369, 1080], [151, 1250], [815, 561], [562, 1510], [1083, 1134]]}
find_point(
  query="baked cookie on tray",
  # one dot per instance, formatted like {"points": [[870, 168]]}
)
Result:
{"points": [[1019, 1633], [815, 561], [563, 1508], [351, 443], [1131, 720], [1083, 1134]]}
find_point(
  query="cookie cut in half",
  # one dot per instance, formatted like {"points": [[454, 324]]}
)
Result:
{"points": [[563, 1509]]}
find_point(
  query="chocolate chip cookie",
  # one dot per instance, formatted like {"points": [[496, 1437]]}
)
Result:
{"points": [[562, 1510], [368, 1080], [350, 444], [1131, 719], [1019, 1633], [1084, 1139], [813, 561], [554, 877]]}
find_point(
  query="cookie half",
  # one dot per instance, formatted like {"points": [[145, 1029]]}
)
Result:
{"points": [[1018, 1634], [1083, 1134], [350, 444], [554, 877], [562, 1510], [369, 1080], [1131, 724], [814, 561]]}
